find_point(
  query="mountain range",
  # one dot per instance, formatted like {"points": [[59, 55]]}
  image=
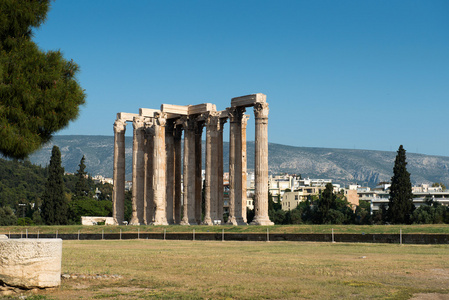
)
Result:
{"points": [[344, 166]]}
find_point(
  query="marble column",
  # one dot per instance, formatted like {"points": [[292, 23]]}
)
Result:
{"points": [[244, 166], [189, 173], [138, 171], [149, 148], [118, 194], [198, 171], [235, 166], [210, 188], [261, 166], [170, 177], [220, 187], [178, 174], [159, 170]]}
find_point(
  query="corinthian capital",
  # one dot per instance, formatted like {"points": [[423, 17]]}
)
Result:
{"points": [[119, 126], [261, 110]]}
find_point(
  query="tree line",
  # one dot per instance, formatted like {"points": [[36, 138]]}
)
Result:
{"points": [[32, 194], [333, 208]]}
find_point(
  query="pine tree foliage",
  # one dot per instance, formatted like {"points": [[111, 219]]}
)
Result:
{"points": [[400, 207], [54, 206], [39, 93]]}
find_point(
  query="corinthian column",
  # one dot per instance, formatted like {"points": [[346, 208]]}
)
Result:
{"points": [[244, 165], [118, 194], [138, 171], [189, 173], [198, 171], [170, 178], [178, 175], [210, 188], [220, 188], [149, 147], [235, 166], [261, 166], [159, 170]]}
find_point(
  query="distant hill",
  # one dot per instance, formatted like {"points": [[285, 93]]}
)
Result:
{"points": [[341, 165]]}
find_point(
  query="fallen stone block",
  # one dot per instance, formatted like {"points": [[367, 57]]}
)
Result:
{"points": [[30, 263]]}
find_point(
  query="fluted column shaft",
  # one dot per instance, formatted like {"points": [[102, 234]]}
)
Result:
{"points": [[235, 166], [118, 194], [261, 165], [210, 188], [189, 174], [138, 188], [220, 187], [159, 170], [149, 148], [170, 178], [198, 171], [178, 164], [244, 166]]}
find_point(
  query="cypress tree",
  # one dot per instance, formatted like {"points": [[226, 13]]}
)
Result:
{"points": [[400, 206], [39, 93], [81, 186], [54, 206], [325, 203]]}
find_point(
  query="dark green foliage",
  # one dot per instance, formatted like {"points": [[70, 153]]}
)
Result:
{"points": [[89, 207], [363, 213], [54, 206], [129, 206], [400, 206], [81, 185], [39, 93], [21, 182], [7, 216], [325, 203], [432, 212]]}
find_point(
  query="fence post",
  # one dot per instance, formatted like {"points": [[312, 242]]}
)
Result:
{"points": [[120, 234], [102, 234], [164, 233], [78, 235], [56, 234], [26, 233], [222, 235], [38, 234], [138, 233], [400, 236], [193, 234], [268, 235], [333, 240]]}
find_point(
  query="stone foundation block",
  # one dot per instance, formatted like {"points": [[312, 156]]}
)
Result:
{"points": [[30, 263]]}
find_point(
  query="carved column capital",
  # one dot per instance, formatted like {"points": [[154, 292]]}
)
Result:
{"points": [[261, 110], [119, 126], [138, 122], [160, 119], [212, 120], [235, 114]]}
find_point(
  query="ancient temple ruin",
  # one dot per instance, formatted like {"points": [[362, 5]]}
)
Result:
{"points": [[157, 196]]}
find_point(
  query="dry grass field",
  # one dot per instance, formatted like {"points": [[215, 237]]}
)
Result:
{"points": [[156, 269]]}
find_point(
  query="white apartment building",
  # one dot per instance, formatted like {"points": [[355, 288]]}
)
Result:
{"points": [[379, 196]]}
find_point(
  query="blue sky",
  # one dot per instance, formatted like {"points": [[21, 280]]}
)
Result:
{"points": [[337, 74]]}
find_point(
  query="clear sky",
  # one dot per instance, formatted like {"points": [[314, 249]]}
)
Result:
{"points": [[338, 74]]}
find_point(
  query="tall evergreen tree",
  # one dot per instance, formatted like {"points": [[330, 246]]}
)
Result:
{"points": [[325, 203], [81, 186], [54, 206], [39, 93], [400, 206]]}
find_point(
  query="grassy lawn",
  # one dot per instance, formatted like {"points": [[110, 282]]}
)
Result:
{"points": [[434, 228], [155, 269]]}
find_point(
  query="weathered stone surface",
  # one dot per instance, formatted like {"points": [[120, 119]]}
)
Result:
{"points": [[30, 263]]}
